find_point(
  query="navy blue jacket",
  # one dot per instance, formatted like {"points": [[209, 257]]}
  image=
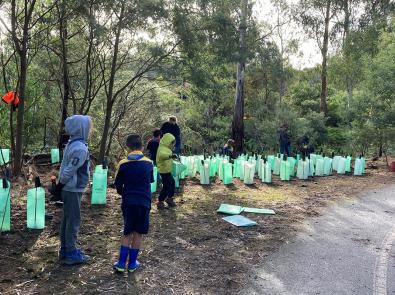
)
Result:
{"points": [[173, 129], [133, 180]]}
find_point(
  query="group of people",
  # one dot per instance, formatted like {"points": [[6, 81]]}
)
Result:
{"points": [[133, 181]]}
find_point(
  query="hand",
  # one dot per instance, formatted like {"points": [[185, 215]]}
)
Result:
{"points": [[56, 192], [174, 157]]}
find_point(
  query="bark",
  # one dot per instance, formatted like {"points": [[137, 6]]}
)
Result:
{"points": [[238, 115], [22, 50], [63, 34], [346, 50], [324, 51], [110, 92]]}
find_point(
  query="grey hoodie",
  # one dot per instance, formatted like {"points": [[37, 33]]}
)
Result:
{"points": [[74, 170]]}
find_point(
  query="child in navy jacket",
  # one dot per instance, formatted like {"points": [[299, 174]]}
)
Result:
{"points": [[133, 182]]}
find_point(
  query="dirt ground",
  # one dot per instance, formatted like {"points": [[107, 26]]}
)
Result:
{"points": [[189, 250]]}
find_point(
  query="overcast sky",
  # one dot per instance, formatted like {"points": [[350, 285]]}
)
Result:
{"points": [[308, 54]]}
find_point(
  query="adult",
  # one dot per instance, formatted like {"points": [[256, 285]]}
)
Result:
{"points": [[284, 140], [304, 146], [172, 127], [228, 148]]}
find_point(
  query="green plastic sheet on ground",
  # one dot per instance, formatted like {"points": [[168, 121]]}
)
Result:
{"points": [[259, 211], [230, 209], [36, 208], [4, 156], [239, 220], [5, 206]]}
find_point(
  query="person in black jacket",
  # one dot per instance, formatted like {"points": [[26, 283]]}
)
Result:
{"points": [[284, 140], [172, 127]]}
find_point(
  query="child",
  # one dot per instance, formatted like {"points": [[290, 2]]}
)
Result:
{"points": [[73, 178], [153, 145], [164, 161], [133, 182]]}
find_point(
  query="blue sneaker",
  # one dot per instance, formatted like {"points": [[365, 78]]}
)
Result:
{"points": [[62, 253], [75, 257]]}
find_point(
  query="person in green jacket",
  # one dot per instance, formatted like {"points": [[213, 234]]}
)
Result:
{"points": [[164, 162]]}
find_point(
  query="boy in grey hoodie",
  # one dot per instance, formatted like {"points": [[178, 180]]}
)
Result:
{"points": [[73, 178]]}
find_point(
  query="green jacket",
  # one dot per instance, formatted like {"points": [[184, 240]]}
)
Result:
{"points": [[163, 156]]}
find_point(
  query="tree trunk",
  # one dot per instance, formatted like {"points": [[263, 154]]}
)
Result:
{"points": [[238, 115], [110, 92], [20, 116], [21, 47], [346, 52], [324, 51], [66, 80]]}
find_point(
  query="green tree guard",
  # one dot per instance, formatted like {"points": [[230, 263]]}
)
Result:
{"points": [[236, 170], [358, 167], [303, 169], [292, 163], [284, 170], [5, 205], [178, 168], [348, 164], [184, 161], [228, 179], [4, 156], [335, 162], [266, 173], [271, 159], [242, 168], [55, 156], [328, 166], [249, 173], [213, 167], [205, 173], [341, 165], [277, 164], [363, 163], [311, 167], [319, 167], [36, 208], [99, 186], [154, 185], [191, 166], [313, 158]]}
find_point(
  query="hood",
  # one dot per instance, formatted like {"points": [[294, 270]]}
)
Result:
{"points": [[167, 139], [78, 127]]}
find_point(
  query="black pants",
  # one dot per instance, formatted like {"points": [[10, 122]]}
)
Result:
{"points": [[168, 188]]}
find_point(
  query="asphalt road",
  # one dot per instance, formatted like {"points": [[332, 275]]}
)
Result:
{"points": [[349, 249]]}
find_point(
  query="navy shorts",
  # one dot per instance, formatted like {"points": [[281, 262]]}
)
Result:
{"points": [[136, 219]]}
